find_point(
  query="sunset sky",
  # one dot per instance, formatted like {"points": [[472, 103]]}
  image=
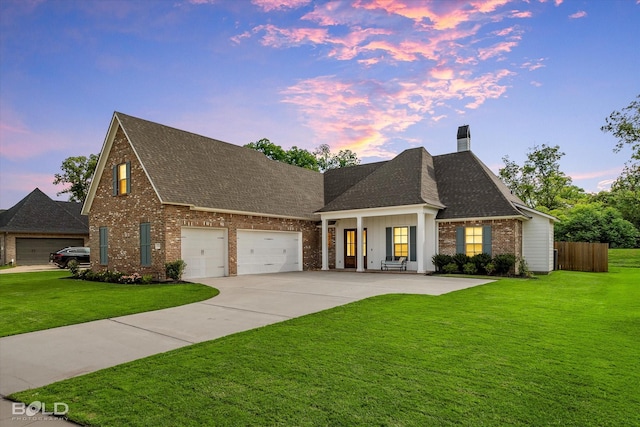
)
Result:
{"points": [[373, 76]]}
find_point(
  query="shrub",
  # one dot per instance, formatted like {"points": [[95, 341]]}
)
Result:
{"points": [[440, 260], [174, 270], [523, 268], [504, 263], [74, 267], [460, 260], [146, 279], [481, 261], [131, 279], [451, 268], [490, 268], [469, 268]]}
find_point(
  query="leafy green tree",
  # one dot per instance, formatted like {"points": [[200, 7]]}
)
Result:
{"points": [[625, 191], [320, 160], [594, 222], [301, 157], [269, 149], [625, 126], [540, 182], [76, 171], [328, 160]]}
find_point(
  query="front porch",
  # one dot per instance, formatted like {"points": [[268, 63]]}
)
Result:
{"points": [[364, 238]]}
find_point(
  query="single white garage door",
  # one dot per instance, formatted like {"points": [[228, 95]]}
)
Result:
{"points": [[268, 251], [204, 251]]}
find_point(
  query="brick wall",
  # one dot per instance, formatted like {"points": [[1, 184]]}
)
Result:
{"points": [[506, 235], [181, 216], [123, 214]]}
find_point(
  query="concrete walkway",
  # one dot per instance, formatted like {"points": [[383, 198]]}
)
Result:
{"points": [[245, 302]]}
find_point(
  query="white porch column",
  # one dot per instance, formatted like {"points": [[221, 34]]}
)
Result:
{"points": [[359, 254], [325, 244], [420, 234]]}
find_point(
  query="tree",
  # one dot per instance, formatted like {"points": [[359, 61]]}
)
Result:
{"points": [[76, 171], [320, 160], [625, 191], [594, 222], [539, 182], [328, 160], [301, 157], [625, 126], [269, 149]]}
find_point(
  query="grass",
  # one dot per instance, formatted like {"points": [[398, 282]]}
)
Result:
{"points": [[558, 350], [624, 258], [42, 300]]}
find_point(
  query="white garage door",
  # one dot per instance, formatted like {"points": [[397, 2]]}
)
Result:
{"points": [[204, 251], [268, 252]]}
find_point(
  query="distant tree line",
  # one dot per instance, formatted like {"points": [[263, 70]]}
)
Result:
{"points": [[609, 216], [321, 159]]}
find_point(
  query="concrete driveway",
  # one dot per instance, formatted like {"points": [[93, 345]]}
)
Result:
{"points": [[245, 302]]}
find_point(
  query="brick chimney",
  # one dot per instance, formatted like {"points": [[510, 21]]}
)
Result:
{"points": [[464, 138]]}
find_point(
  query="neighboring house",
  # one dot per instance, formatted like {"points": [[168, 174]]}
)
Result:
{"points": [[161, 194], [37, 226]]}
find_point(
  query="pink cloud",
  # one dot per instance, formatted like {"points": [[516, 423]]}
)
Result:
{"points": [[269, 5], [440, 39], [496, 50], [534, 64], [578, 15]]}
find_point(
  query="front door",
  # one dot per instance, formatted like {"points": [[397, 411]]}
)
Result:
{"points": [[350, 245]]}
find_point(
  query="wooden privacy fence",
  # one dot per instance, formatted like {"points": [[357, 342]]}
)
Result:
{"points": [[581, 256]]}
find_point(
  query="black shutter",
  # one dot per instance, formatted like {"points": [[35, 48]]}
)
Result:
{"points": [[115, 180], [460, 240], [486, 239], [413, 244], [389, 242]]}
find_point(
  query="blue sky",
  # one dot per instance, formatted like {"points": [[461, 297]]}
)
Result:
{"points": [[373, 76]]}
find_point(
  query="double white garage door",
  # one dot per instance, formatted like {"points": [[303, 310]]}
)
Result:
{"points": [[205, 252]]}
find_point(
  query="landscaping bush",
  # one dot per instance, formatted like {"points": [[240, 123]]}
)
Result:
{"points": [[74, 267], [461, 260], [504, 263], [174, 270], [451, 268], [469, 268], [440, 260], [490, 268], [481, 261]]}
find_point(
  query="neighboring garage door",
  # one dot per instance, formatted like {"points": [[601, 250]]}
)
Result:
{"points": [[34, 251], [268, 252], [203, 249]]}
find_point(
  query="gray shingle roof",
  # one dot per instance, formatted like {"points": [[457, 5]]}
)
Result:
{"points": [[37, 213], [190, 169], [469, 189], [408, 179]]}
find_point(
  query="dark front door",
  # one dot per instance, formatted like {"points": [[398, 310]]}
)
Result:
{"points": [[350, 245]]}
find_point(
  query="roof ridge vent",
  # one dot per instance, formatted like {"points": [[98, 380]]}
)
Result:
{"points": [[464, 138]]}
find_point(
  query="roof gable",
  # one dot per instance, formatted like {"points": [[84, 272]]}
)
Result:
{"points": [[408, 179], [37, 213], [189, 169], [469, 189]]}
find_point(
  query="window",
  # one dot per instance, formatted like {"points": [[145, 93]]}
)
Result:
{"points": [[104, 245], [122, 179], [473, 240], [400, 241], [350, 243], [145, 244]]}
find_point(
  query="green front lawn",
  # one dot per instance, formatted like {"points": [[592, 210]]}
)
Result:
{"points": [[557, 350], [34, 301]]}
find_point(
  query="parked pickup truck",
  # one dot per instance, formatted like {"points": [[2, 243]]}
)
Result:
{"points": [[63, 256]]}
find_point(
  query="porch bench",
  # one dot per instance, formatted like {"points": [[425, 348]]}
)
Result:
{"points": [[399, 263]]}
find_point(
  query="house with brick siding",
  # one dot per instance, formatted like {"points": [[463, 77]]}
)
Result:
{"points": [[160, 194]]}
